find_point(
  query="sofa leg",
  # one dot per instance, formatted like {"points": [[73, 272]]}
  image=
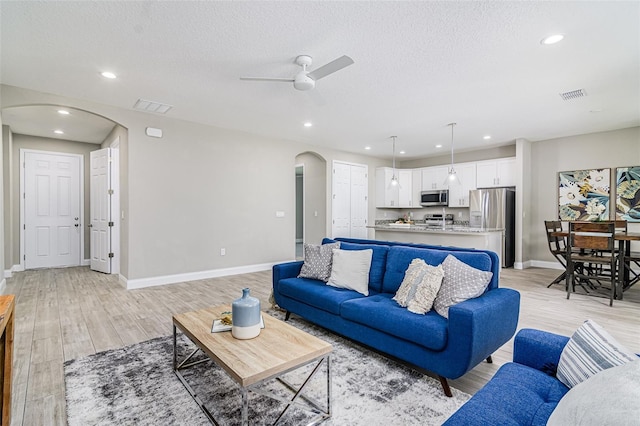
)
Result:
{"points": [[489, 359], [287, 315], [445, 386]]}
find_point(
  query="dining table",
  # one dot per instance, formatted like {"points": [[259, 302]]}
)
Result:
{"points": [[624, 239]]}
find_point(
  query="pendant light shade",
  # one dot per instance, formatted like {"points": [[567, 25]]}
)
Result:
{"points": [[452, 177], [394, 183]]}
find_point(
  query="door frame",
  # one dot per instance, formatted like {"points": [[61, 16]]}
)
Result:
{"points": [[115, 204], [23, 151]]}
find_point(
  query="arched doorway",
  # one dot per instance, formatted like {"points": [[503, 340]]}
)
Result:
{"points": [[311, 198], [77, 133]]}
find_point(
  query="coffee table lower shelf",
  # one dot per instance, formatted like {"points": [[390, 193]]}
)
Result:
{"points": [[322, 411]]}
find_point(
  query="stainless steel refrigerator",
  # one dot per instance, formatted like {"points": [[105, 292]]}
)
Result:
{"points": [[495, 208]]}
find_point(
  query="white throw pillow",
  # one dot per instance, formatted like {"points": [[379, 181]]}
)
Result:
{"points": [[350, 270], [609, 397], [590, 350], [460, 282]]}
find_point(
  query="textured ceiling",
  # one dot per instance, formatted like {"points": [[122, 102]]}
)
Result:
{"points": [[418, 66]]}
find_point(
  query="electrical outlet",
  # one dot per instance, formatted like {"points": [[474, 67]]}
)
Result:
{"points": [[223, 251], [459, 214]]}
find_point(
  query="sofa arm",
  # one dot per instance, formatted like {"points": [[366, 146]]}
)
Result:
{"points": [[478, 327], [538, 349], [286, 270]]}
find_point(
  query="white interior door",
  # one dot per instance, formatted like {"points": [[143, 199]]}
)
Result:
{"points": [[359, 201], [52, 213], [341, 200], [100, 210], [350, 200]]}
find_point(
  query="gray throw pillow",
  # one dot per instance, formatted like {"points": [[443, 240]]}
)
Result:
{"points": [[427, 290], [590, 350], [317, 261], [351, 270], [608, 398], [461, 282], [412, 277]]}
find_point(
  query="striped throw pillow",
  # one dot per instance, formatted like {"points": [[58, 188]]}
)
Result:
{"points": [[590, 350]]}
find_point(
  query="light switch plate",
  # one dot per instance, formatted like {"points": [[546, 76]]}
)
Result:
{"points": [[279, 213]]}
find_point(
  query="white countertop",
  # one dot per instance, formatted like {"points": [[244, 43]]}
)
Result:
{"points": [[449, 229]]}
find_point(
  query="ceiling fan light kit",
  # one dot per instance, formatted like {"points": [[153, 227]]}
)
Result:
{"points": [[304, 80]]}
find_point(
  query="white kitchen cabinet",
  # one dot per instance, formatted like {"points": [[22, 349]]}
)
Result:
{"points": [[416, 188], [496, 173], [459, 194], [400, 196], [434, 177]]}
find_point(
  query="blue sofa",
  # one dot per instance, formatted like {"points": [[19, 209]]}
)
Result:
{"points": [[522, 392], [447, 347]]}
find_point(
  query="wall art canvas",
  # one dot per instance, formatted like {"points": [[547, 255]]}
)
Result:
{"points": [[628, 193], [584, 194]]}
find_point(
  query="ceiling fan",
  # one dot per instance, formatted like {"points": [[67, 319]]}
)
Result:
{"points": [[304, 80]]}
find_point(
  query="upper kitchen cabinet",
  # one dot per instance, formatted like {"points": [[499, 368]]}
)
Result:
{"points": [[434, 177], [495, 173], [398, 196], [459, 194]]}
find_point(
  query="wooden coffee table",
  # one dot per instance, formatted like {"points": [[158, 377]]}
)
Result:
{"points": [[280, 348]]}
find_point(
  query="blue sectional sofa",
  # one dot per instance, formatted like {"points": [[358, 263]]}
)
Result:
{"points": [[522, 392], [447, 347]]}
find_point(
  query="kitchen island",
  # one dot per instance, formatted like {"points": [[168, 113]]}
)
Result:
{"points": [[450, 235]]}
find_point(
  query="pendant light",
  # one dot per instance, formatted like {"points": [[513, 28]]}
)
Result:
{"points": [[394, 183], [452, 177]]}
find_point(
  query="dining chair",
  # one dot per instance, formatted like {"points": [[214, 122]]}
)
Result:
{"points": [[591, 256], [557, 247]]}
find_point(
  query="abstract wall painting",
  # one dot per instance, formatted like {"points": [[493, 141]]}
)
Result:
{"points": [[628, 193], [584, 194]]}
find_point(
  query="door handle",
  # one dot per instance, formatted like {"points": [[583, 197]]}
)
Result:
{"points": [[75, 218], [90, 225], [76, 225]]}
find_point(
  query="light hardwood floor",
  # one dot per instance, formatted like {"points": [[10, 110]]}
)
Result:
{"points": [[62, 314]]}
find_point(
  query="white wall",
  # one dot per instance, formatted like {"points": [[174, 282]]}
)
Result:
{"points": [[2, 213], [199, 189]]}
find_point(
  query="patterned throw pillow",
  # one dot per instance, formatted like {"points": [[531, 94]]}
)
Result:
{"points": [[317, 261], [461, 282], [427, 290], [590, 350], [412, 277], [419, 287]]}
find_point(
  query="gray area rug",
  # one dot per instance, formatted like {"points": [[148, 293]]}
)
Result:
{"points": [[136, 385]]}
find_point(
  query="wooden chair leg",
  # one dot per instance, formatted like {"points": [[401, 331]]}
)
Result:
{"points": [[445, 386], [569, 284]]}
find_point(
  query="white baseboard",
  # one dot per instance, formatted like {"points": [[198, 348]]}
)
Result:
{"points": [[3, 286], [522, 265], [86, 262], [8, 273], [546, 264], [192, 276]]}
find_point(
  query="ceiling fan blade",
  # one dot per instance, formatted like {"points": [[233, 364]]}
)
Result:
{"points": [[331, 67], [287, 80]]}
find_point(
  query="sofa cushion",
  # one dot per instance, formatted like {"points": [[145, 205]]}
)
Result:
{"points": [[378, 261], [516, 395], [609, 397], [317, 261], [461, 282], [400, 257], [590, 350], [350, 270], [316, 293], [384, 314]]}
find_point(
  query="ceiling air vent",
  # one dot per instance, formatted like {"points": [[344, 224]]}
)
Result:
{"points": [[574, 94], [151, 106]]}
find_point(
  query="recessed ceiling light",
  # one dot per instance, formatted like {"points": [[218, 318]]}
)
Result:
{"points": [[486, 138], [552, 39], [402, 152], [63, 112], [367, 148], [438, 146], [58, 132], [308, 124], [108, 74]]}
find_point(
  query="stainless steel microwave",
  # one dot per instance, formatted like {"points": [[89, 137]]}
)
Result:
{"points": [[434, 198]]}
